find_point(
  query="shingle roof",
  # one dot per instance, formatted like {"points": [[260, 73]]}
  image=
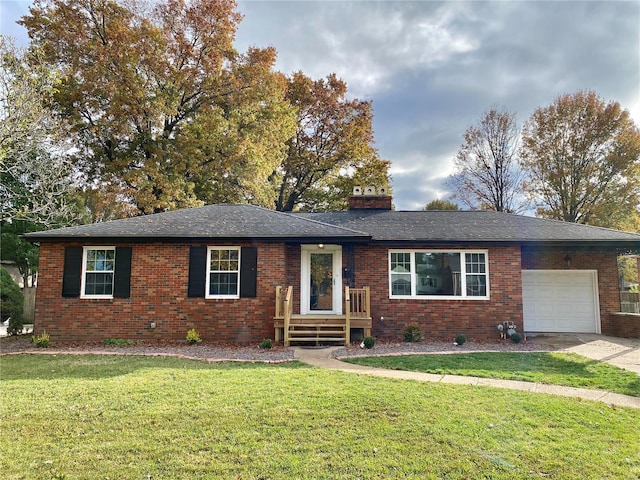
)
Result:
{"points": [[468, 226], [250, 222], [211, 221]]}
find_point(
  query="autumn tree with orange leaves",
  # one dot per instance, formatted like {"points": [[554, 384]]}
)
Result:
{"points": [[164, 109], [332, 149], [582, 158], [167, 114]]}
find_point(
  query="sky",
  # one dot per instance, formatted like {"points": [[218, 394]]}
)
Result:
{"points": [[432, 69]]}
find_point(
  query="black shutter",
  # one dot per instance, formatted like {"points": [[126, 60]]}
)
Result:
{"points": [[248, 272], [197, 271], [72, 272], [122, 280]]}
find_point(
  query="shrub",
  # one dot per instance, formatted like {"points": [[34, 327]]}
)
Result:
{"points": [[193, 337], [11, 303], [118, 341], [516, 337], [42, 340], [412, 334], [369, 342], [460, 339], [266, 344]]}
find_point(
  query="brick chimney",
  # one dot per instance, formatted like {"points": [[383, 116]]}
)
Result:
{"points": [[369, 199]]}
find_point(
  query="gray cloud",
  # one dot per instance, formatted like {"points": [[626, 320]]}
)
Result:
{"points": [[433, 68]]}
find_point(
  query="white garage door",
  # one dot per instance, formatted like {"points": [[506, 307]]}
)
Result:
{"points": [[560, 301]]}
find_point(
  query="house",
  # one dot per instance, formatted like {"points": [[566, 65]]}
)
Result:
{"points": [[241, 273]]}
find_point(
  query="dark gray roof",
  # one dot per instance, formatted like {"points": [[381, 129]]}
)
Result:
{"points": [[212, 221], [257, 223], [469, 226]]}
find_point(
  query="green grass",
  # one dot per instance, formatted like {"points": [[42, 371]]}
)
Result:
{"points": [[99, 417], [566, 369]]}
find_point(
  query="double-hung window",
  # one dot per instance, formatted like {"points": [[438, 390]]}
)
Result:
{"points": [[223, 272], [98, 268], [438, 274]]}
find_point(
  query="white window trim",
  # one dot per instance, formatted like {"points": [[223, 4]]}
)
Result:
{"points": [[463, 276], [208, 278], [84, 271]]}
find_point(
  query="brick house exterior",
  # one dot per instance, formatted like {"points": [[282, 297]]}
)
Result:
{"points": [[162, 279]]}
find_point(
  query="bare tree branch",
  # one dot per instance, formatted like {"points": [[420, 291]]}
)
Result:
{"points": [[487, 174], [35, 169]]}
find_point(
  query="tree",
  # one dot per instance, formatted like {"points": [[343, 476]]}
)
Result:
{"points": [[487, 174], [245, 140], [331, 150], [103, 204], [441, 205], [22, 253], [582, 156], [35, 170], [336, 188], [166, 112], [627, 270]]}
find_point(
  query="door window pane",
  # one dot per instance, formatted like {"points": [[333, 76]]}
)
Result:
{"points": [[321, 281]]}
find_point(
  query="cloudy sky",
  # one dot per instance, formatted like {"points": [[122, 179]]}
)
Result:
{"points": [[432, 68]]}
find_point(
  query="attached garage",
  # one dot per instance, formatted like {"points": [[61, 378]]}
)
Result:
{"points": [[557, 301]]}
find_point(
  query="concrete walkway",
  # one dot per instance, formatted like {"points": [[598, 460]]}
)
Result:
{"points": [[322, 358]]}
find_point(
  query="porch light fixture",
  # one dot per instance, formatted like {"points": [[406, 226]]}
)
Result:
{"points": [[321, 246], [567, 261]]}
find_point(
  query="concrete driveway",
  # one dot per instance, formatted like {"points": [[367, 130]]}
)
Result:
{"points": [[621, 352]]}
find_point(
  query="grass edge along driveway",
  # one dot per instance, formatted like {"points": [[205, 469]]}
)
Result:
{"points": [[68, 417], [567, 369]]}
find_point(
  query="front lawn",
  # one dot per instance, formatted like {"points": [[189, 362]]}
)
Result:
{"points": [[117, 417], [566, 369]]}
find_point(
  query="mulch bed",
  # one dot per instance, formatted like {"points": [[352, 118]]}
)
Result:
{"points": [[393, 347], [252, 353], [201, 351]]}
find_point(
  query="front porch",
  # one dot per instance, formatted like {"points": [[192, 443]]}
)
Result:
{"points": [[319, 328]]}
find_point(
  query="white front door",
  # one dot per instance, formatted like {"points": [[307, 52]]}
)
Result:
{"points": [[321, 282]]}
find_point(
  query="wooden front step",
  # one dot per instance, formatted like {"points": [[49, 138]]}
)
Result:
{"points": [[357, 305], [299, 320], [314, 331], [317, 341], [317, 325], [317, 329]]}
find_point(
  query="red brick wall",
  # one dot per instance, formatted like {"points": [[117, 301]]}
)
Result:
{"points": [[626, 325], [377, 202], [159, 278], [603, 260], [443, 319]]}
